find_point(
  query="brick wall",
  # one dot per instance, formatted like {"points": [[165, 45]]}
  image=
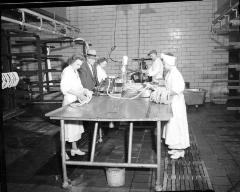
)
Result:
{"points": [[183, 28]]}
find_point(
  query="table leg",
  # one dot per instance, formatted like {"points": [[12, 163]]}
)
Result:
{"points": [[63, 151], [94, 141], [158, 185], [130, 142], [100, 135]]}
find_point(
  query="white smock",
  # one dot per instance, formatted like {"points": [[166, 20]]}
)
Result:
{"points": [[101, 74], [71, 80], [176, 132], [156, 70]]}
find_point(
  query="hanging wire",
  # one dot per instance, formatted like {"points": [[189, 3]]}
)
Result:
{"points": [[114, 39], [139, 29]]}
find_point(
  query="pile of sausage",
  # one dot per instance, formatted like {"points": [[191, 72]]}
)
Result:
{"points": [[160, 95]]}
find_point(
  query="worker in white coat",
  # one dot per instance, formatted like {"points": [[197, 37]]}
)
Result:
{"points": [[156, 69], [72, 90], [175, 132], [100, 68]]}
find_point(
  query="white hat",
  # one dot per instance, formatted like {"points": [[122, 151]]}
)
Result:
{"points": [[168, 59], [92, 52]]}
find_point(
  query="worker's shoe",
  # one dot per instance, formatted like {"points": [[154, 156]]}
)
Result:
{"points": [[77, 152], [178, 154], [173, 151]]}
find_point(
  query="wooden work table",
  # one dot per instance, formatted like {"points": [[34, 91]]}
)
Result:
{"points": [[105, 108]]}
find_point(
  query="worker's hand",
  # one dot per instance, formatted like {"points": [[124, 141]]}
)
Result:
{"points": [[88, 94], [81, 97], [150, 86]]}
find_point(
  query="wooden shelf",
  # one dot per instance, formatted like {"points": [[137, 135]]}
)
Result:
{"points": [[234, 108], [227, 47], [31, 60], [45, 86], [233, 105], [52, 81], [36, 71], [33, 55], [225, 32], [234, 97], [234, 66], [226, 80], [234, 87], [19, 33]]}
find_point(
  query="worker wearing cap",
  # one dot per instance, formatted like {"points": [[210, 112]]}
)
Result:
{"points": [[156, 70], [88, 72], [175, 132]]}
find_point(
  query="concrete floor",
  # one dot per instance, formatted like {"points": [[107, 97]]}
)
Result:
{"points": [[32, 163], [218, 136]]}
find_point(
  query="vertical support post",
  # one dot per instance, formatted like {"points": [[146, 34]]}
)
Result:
{"points": [[130, 142], [158, 185], [3, 170], [40, 70], [100, 135], [46, 74], [12, 90], [63, 152], [94, 141]]}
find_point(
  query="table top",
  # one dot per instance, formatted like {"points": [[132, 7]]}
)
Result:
{"points": [[105, 108]]}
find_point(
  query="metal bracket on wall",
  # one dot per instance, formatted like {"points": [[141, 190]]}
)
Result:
{"points": [[43, 23]]}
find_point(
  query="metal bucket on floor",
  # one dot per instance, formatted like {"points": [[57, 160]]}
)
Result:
{"points": [[115, 176]]}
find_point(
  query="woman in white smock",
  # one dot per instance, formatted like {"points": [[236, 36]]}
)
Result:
{"points": [[72, 89], [175, 132]]}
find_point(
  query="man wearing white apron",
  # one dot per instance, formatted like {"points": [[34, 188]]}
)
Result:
{"points": [[175, 132], [156, 69]]}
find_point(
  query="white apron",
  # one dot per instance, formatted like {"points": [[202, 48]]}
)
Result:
{"points": [[156, 70], [101, 74], [175, 131], [70, 80]]}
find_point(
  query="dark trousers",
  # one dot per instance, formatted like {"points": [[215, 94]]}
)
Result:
{"points": [[89, 128]]}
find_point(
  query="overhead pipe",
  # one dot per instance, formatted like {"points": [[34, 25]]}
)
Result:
{"points": [[69, 30]]}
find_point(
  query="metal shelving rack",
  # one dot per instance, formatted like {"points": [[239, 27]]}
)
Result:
{"points": [[36, 21], [39, 89], [20, 58], [227, 22]]}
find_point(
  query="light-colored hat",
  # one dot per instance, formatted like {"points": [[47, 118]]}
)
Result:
{"points": [[168, 59], [92, 52]]}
